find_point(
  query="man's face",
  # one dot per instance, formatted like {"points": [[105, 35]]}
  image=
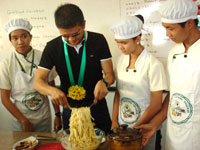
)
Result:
{"points": [[21, 39], [175, 32], [73, 35]]}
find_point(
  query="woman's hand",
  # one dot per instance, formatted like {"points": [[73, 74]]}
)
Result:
{"points": [[147, 130], [114, 125]]}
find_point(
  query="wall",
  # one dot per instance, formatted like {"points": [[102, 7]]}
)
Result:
{"points": [[99, 15]]}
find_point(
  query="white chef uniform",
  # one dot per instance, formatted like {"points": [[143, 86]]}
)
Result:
{"points": [[135, 86], [183, 124], [36, 109]]}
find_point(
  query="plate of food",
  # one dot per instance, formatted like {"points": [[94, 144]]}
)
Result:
{"points": [[29, 143]]}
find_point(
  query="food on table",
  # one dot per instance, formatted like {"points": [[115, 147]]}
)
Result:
{"points": [[25, 145]]}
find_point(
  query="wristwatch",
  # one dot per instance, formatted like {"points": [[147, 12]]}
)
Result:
{"points": [[58, 114], [104, 81]]}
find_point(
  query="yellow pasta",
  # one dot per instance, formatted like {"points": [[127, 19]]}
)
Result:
{"points": [[82, 134]]}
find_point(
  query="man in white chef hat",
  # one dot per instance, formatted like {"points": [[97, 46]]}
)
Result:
{"points": [[31, 110], [182, 105]]}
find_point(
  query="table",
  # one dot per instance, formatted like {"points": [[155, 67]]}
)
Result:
{"points": [[9, 138]]}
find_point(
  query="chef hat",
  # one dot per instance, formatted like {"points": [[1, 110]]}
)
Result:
{"points": [[126, 28], [178, 11], [18, 23]]}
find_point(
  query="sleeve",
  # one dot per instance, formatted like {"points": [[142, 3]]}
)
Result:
{"points": [[52, 74], [47, 60], [117, 66], [169, 61], [115, 71], [104, 49], [157, 76], [167, 75], [5, 82]]}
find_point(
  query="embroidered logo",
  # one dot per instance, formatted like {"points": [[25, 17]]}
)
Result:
{"points": [[180, 109], [33, 101], [129, 111]]}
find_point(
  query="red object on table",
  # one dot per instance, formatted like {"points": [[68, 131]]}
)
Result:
{"points": [[50, 147]]}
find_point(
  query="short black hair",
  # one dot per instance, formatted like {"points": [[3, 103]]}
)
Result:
{"points": [[134, 38], [140, 17], [10, 37], [182, 24], [68, 16]]}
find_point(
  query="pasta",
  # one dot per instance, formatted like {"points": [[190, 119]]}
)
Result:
{"points": [[82, 135]]}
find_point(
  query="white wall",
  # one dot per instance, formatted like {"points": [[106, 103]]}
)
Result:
{"points": [[99, 15]]}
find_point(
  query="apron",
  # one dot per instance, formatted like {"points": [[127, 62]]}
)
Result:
{"points": [[31, 104], [183, 124], [134, 94]]}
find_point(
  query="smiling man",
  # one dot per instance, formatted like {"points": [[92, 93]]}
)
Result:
{"points": [[80, 57]]}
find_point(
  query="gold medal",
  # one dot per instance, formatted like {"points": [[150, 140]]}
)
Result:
{"points": [[76, 92]]}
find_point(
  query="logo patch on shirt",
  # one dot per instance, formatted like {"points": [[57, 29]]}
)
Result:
{"points": [[129, 111], [180, 109]]}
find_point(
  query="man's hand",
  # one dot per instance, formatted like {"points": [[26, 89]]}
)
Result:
{"points": [[57, 124], [27, 126], [58, 97], [147, 130], [100, 91]]}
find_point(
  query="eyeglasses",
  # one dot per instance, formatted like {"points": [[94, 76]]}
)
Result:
{"points": [[72, 35]]}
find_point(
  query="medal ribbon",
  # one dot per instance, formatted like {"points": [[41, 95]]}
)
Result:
{"points": [[83, 63]]}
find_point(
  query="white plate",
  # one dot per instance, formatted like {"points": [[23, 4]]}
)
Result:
{"points": [[31, 138]]}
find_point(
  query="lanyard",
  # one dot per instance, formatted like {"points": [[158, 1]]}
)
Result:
{"points": [[32, 63], [82, 68]]}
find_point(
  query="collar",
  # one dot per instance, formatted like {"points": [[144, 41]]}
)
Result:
{"points": [[140, 57], [28, 56], [191, 48], [77, 47], [139, 63]]}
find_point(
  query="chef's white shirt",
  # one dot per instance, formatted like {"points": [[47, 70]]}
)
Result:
{"points": [[151, 70], [7, 68]]}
